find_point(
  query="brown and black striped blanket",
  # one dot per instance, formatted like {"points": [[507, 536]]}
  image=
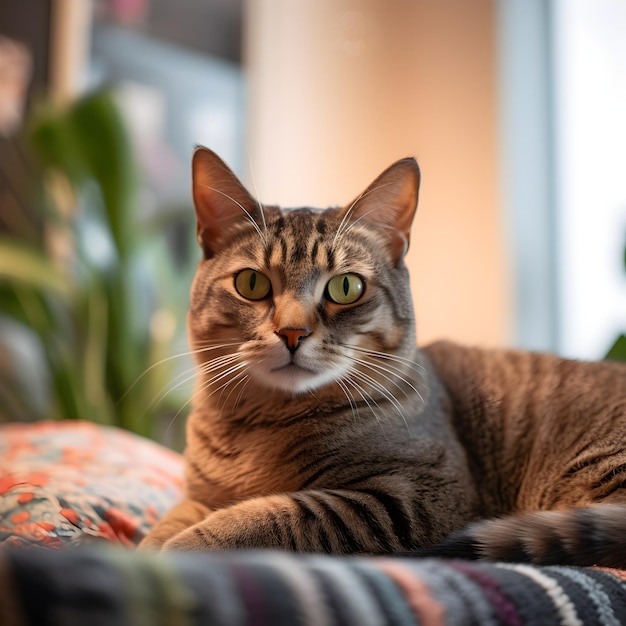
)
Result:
{"points": [[107, 585]]}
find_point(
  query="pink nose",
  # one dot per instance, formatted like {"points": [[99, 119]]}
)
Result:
{"points": [[292, 336]]}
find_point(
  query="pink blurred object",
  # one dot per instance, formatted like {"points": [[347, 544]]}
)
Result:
{"points": [[15, 74], [128, 11]]}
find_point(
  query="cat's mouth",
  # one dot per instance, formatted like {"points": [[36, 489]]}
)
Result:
{"points": [[293, 368], [294, 378], [293, 373]]}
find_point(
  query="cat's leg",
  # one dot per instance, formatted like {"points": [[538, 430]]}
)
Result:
{"points": [[333, 521], [182, 516]]}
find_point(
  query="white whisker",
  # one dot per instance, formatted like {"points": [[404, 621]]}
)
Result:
{"points": [[386, 355], [256, 196], [185, 377], [208, 346], [395, 367], [348, 395], [361, 217], [182, 408], [209, 366], [237, 379], [231, 370], [378, 368], [190, 374], [376, 409], [181, 379], [246, 378], [343, 221], [343, 227], [209, 381], [383, 391], [248, 214], [180, 355]]}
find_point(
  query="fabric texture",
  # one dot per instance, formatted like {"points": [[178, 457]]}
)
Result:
{"points": [[67, 483], [113, 587], [64, 484]]}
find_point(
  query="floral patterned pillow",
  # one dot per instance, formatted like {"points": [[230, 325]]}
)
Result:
{"points": [[66, 483]]}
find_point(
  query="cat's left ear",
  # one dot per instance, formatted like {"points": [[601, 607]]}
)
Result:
{"points": [[221, 201], [388, 205]]}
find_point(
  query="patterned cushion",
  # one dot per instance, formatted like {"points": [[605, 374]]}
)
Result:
{"points": [[67, 483]]}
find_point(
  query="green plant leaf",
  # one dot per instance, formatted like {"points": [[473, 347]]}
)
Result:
{"points": [[618, 350], [91, 321], [89, 140], [30, 266], [105, 149], [55, 143]]}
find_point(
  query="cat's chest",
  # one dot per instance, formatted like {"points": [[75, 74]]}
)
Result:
{"points": [[245, 462]]}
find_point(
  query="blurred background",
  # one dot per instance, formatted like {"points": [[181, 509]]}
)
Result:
{"points": [[514, 109]]}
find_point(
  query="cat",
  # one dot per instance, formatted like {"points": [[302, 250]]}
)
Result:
{"points": [[319, 426]]}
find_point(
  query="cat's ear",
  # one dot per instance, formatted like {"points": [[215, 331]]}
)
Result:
{"points": [[388, 205], [220, 199]]}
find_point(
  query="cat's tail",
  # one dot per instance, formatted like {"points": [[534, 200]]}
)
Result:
{"points": [[594, 535]]}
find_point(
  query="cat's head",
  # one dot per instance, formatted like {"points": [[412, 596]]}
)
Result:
{"points": [[301, 299]]}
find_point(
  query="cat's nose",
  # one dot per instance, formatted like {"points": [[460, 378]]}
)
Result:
{"points": [[292, 336]]}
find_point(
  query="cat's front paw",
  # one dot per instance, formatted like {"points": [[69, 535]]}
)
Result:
{"points": [[194, 539], [244, 526]]}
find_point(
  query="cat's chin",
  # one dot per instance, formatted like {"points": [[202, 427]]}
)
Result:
{"points": [[294, 379]]}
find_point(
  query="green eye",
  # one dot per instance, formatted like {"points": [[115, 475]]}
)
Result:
{"points": [[252, 285], [345, 288]]}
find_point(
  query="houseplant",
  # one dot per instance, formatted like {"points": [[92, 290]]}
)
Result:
{"points": [[87, 292]]}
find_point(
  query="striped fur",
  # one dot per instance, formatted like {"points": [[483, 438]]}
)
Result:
{"points": [[320, 427], [546, 444]]}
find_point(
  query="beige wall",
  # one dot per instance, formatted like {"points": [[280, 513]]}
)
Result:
{"points": [[69, 53], [339, 89]]}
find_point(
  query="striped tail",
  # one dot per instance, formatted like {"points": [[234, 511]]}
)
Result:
{"points": [[595, 535]]}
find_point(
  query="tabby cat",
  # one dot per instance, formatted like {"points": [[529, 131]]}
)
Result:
{"points": [[317, 425]]}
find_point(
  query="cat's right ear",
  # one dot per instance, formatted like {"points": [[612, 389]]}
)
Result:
{"points": [[388, 206], [220, 199]]}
